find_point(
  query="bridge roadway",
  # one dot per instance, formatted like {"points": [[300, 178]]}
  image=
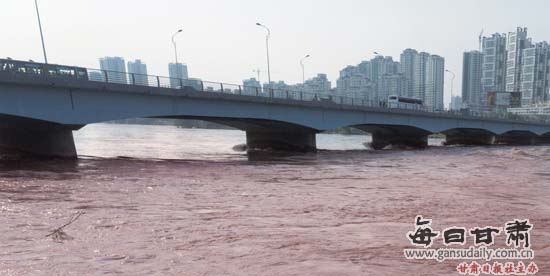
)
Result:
{"points": [[39, 113]]}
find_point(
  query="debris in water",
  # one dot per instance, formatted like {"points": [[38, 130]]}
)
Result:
{"points": [[59, 235]]}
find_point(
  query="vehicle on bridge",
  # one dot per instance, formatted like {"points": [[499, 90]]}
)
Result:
{"points": [[395, 101], [49, 70]]}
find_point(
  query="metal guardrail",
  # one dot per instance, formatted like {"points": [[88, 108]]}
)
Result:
{"points": [[225, 88], [97, 75], [166, 82]]}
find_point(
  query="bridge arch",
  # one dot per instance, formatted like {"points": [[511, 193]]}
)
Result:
{"points": [[268, 134], [468, 136], [517, 137]]}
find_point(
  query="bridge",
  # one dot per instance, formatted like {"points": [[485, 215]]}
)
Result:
{"points": [[39, 109]]}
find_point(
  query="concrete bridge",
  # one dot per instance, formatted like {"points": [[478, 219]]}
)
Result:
{"points": [[38, 113]]}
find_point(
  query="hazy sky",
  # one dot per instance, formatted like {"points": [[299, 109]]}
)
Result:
{"points": [[220, 41]]}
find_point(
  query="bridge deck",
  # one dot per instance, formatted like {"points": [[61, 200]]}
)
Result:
{"points": [[254, 95]]}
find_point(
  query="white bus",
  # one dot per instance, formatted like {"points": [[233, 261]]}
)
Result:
{"points": [[404, 102]]}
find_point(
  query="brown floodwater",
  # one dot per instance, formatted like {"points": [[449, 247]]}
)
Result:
{"points": [[168, 201]]}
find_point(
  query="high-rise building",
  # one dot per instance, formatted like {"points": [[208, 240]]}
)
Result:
{"points": [[435, 80], [517, 41], [420, 64], [390, 85], [512, 64], [407, 68], [115, 69], [319, 85], [178, 73], [138, 72], [380, 66], [493, 76], [419, 75], [354, 83], [471, 78], [360, 81], [365, 68], [535, 74]]}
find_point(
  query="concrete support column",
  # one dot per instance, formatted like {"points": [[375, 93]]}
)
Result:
{"points": [[36, 138], [542, 140], [380, 141], [515, 139], [280, 140], [469, 139]]}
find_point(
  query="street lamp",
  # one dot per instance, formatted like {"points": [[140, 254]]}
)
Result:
{"points": [[258, 72], [452, 81], [303, 69], [175, 46], [41, 34], [452, 85], [267, 49]]}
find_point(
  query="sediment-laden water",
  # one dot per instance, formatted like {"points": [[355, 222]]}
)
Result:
{"points": [[159, 200]]}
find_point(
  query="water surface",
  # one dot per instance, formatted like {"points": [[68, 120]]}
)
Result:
{"points": [[160, 200]]}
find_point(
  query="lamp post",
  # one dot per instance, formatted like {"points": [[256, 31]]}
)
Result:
{"points": [[175, 46], [258, 72], [452, 85], [41, 34], [452, 81], [303, 68], [267, 50]]}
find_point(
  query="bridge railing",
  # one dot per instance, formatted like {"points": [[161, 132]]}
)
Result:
{"points": [[104, 76]]}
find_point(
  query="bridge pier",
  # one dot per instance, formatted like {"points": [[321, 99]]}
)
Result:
{"points": [[542, 140], [280, 140], [36, 138], [380, 141], [396, 135], [519, 138], [469, 137]]}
